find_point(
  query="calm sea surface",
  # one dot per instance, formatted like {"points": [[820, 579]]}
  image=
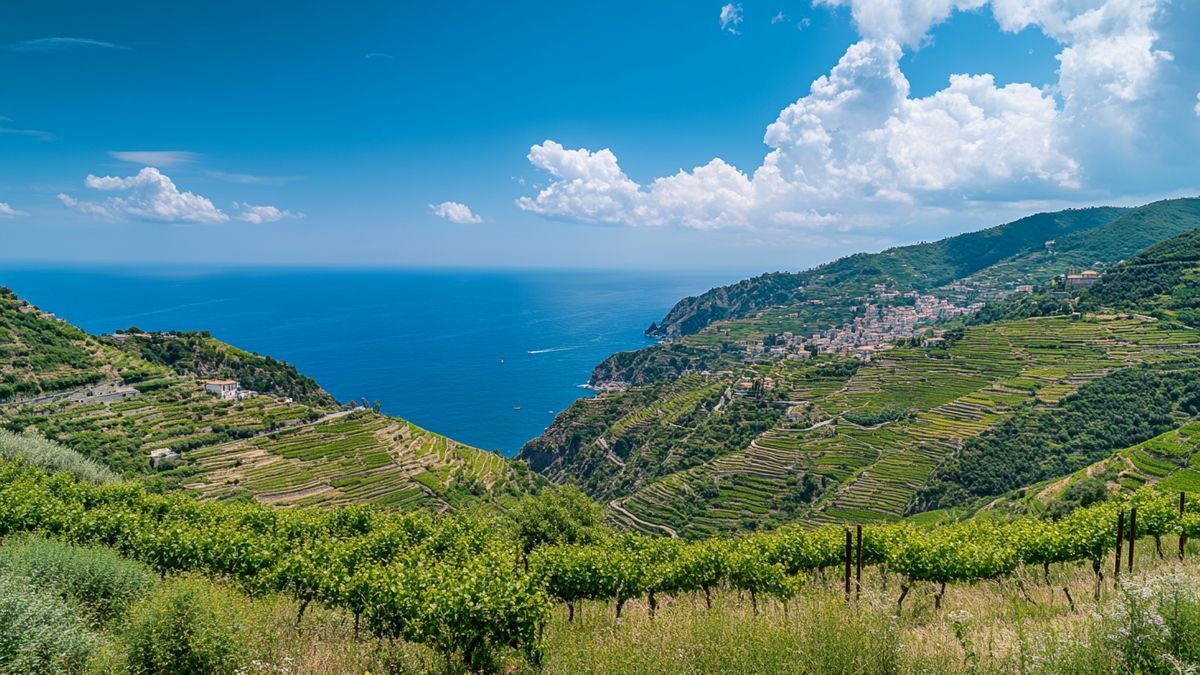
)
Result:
{"points": [[453, 351]]}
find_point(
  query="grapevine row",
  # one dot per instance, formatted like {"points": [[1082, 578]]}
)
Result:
{"points": [[456, 584]]}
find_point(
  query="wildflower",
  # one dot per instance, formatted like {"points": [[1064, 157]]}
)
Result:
{"points": [[959, 616]]}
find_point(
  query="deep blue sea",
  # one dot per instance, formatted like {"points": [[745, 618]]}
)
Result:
{"points": [[452, 351]]}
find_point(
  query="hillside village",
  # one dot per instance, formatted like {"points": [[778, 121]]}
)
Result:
{"points": [[885, 317]]}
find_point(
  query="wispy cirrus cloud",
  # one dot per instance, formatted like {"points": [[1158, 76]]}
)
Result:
{"points": [[155, 157], [29, 133], [64, 44], [250, 179]]}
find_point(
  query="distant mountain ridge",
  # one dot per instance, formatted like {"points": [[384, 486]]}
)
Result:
{"points": [[1028, 251], [918, 267]]}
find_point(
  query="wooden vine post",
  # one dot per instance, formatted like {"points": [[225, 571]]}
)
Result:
{"points": [[849, 555], [1132, 535], [1182, 535], [858, 562], [1120, 545]]}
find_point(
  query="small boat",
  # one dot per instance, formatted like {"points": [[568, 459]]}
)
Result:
{"points": [[516, 407]]}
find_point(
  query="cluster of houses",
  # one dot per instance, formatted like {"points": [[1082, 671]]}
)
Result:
{"points": [[749, 385], [875, 329]]}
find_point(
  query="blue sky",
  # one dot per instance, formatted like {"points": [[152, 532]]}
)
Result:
{"points": [[747, 136]]}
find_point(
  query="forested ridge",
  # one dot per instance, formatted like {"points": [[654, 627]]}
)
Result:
{"points": [[1044, 441], [199, 354], [918, 267], [1165, 278]]}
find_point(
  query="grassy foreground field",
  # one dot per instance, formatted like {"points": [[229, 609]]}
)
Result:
{"points": [[102, 576], [1148, 622], [990, 626]]}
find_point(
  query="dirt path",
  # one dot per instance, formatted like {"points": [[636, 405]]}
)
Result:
{"points": [[616, 506]]}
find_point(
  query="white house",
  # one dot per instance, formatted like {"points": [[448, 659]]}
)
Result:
{"points": [[227, 390], [162, 455]]}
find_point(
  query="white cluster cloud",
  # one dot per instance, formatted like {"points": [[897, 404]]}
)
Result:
{"points": [[857, 146], [264, 214], [455, 212], [904, 21], [731, 18], [7, 211], [152, 195], [1197, 108], [858, 135]]}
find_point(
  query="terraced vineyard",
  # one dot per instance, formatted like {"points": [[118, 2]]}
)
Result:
{"points": [[176, 413], [845, 472], [359, 458], [119, 408]]}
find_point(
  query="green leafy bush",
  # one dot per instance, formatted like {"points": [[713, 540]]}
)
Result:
{"points": [[101, 582], [39, 631], [45, 454], [188, 626]]}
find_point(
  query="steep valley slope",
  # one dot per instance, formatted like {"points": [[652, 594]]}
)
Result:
{"points": [[752, 439]]}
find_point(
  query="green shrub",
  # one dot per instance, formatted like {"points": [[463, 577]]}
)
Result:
{"points": [[101, 582], [189, 625], [45, 454], [39, 631]]}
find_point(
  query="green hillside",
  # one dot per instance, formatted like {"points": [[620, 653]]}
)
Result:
{"points": [[1164, 278], [200, 355], [1117, 411], [115, 399], [40, 354], [918, 267], [703, 332], [850, 442], [1021, 394], [1169, 461]]}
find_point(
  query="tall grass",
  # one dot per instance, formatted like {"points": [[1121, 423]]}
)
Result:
{"points": [[1147, 623], [46, 454]]}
